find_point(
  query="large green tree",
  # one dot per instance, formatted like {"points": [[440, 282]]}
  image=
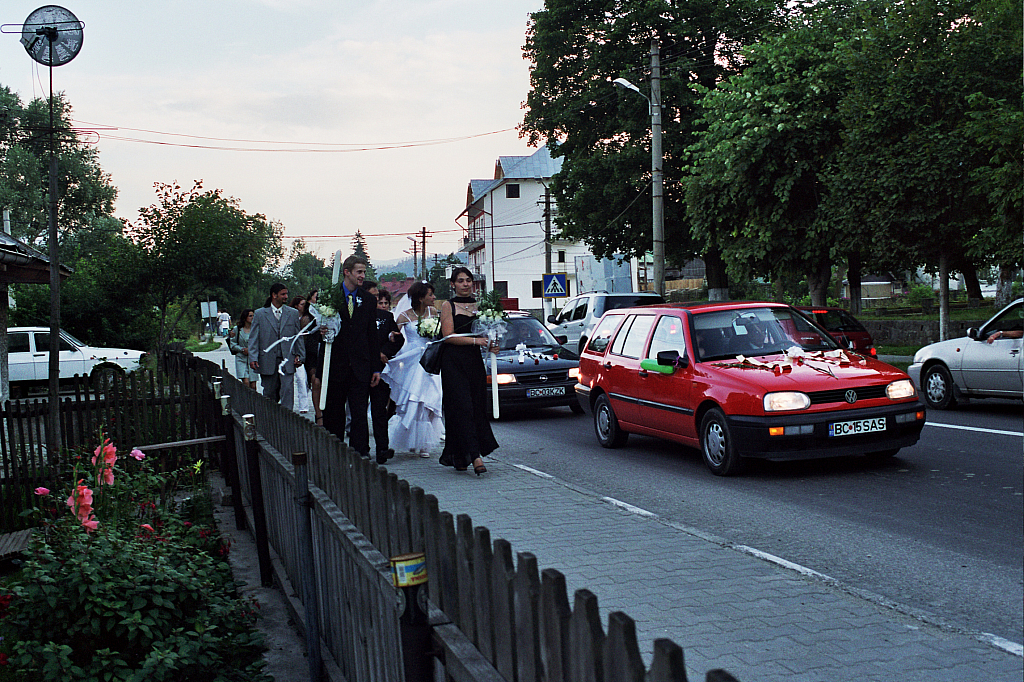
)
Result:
{"points": [[911, 169], [576, 49], [84, 191], [755, 186], [195, 242]]}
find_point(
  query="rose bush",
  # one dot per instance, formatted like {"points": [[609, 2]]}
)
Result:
{"points": [[127, 581]]}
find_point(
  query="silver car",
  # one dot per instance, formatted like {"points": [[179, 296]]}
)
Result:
{"points": [[987, 363]]}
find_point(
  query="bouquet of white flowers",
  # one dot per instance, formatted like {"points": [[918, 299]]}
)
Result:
{"points": [[490, 317], [428, 327]]}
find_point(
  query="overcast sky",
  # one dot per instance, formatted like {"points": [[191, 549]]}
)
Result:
{"points": [[359, 75]]}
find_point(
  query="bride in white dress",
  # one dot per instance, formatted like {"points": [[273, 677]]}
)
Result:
{"points": [[416, 426]]}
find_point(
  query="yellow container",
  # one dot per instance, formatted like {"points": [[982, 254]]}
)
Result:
{"points": [[409, 569]]}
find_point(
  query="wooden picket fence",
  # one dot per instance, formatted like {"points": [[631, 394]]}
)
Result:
{"points": [[140, 409], [494, 615]]}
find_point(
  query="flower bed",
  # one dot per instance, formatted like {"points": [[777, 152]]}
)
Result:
{"points": [[126, 579]]}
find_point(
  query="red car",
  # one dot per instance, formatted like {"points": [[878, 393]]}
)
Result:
{"points": [[742, 380], [844, 328]]}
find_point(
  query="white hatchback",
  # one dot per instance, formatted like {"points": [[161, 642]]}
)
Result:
{"points": [[28, 356]]}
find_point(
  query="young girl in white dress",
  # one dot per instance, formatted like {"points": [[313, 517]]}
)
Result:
{"points": [[416, 426]]}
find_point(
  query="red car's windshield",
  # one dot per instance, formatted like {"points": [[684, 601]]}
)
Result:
{"points": [[755, 331]]}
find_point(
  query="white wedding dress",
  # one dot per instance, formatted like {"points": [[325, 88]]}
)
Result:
{"points": [[417, 424]]}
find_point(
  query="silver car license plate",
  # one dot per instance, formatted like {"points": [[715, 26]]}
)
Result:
{"points": [[856, 426], [545, 392]]}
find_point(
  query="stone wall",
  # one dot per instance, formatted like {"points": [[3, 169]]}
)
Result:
{"points": [[913, 332]]}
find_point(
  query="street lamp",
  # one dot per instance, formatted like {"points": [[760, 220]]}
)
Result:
{"points": [[657, 179]]}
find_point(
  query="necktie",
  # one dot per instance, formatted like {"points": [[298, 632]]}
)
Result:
{"points": [[277, 314], [351, 304]]}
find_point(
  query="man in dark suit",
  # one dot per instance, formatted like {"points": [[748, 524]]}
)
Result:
{"points": [[271, 323], [391, 340], [355, 356]]}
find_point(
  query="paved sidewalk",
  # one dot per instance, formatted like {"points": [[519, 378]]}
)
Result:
{"points": [[725, 606]]}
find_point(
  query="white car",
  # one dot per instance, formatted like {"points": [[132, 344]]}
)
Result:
{"points": [[987, 363], [28, 356]]}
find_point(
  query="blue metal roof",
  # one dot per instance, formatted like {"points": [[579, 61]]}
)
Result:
{"points": [[539, 166]]}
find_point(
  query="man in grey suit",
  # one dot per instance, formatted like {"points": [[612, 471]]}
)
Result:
{"points": [[271, 323]]}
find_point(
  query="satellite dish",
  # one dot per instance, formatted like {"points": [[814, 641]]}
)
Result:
{"points": [[52, 35]]}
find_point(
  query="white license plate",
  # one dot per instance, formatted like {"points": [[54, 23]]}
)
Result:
{"points": [[545, 392], [856, 426]]}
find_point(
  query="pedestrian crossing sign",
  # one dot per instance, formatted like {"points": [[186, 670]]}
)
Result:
{"points": [[555, 285]]}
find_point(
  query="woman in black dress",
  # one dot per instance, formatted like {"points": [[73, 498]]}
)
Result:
{"points": [[467, 427]]}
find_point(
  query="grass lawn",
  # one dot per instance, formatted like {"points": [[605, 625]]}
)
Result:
{"points": [[194, 346], [897, 350]]}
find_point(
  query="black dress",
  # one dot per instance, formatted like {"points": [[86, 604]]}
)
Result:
{"points": [[467, 429]]}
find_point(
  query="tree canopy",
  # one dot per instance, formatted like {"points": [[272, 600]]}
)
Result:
{"points": [[603, 189]]}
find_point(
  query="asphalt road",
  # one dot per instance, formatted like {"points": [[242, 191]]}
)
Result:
{"points": [[939, 530]]}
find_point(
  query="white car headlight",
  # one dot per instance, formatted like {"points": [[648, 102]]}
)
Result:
{"points": [[574, 373], [898, 390], [786, 400]]}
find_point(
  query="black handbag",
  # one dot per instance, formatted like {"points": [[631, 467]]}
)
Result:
{"points": [[430, 361]]}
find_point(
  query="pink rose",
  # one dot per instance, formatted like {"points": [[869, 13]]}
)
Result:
{"points": [[42, 492], [137, 454]]}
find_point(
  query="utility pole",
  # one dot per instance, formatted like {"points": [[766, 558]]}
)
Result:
{"points": [[547, 248], [657, 170], [423, 251]]}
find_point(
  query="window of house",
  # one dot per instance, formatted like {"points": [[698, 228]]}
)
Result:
{"points": [[501, 288], [538, 289], [512, 191], [561, 255]]}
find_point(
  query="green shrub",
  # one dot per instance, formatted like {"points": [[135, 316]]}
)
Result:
{"points": [[127, 583]]}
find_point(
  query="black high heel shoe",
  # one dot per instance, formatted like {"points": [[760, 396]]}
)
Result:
{"points": [[479, 469]]}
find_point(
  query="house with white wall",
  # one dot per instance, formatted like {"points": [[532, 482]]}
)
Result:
{"points": [[511, 231]]}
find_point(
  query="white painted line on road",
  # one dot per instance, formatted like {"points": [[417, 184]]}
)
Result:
{"points": [[975, 428], [810, 572], [630, 508], [1004, 644], [533, 471]]}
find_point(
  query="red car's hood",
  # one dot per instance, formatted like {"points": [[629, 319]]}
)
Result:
{"points": [[815, 371]]}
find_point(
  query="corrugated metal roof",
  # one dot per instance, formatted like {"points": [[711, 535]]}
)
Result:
{"points": [[539, 166]]}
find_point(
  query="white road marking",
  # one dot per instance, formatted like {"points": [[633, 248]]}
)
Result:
{"points": [[1004, 644], [975, 428], [630, 508], [532, 471], [803, 570]]}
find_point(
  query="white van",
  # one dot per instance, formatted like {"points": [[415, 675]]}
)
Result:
{"points": [[580, 313]]}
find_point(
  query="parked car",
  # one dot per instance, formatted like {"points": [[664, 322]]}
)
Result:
{"points": [[984, 364], [580, 314], [739, 380], [533, 369], [844, 328], [28, 356]]}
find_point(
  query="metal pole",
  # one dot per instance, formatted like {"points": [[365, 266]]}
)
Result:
{"points": [[305, 537], [423, 254], [657, 170], [53, 427]]}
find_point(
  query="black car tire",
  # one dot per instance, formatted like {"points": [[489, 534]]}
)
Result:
{"points": [[937, 388], [106, 373], [606, 426], [716, 445], [576, 408]]}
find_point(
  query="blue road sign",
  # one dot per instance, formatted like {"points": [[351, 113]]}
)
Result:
{"points": [[555, 285]]}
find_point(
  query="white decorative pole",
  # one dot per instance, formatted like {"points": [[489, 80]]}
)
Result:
{"points": [[326, 371], [492, 337]]}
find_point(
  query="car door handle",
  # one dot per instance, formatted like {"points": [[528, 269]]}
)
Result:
{"points": [[643, 373], [607, 365], [1015, 351]]}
